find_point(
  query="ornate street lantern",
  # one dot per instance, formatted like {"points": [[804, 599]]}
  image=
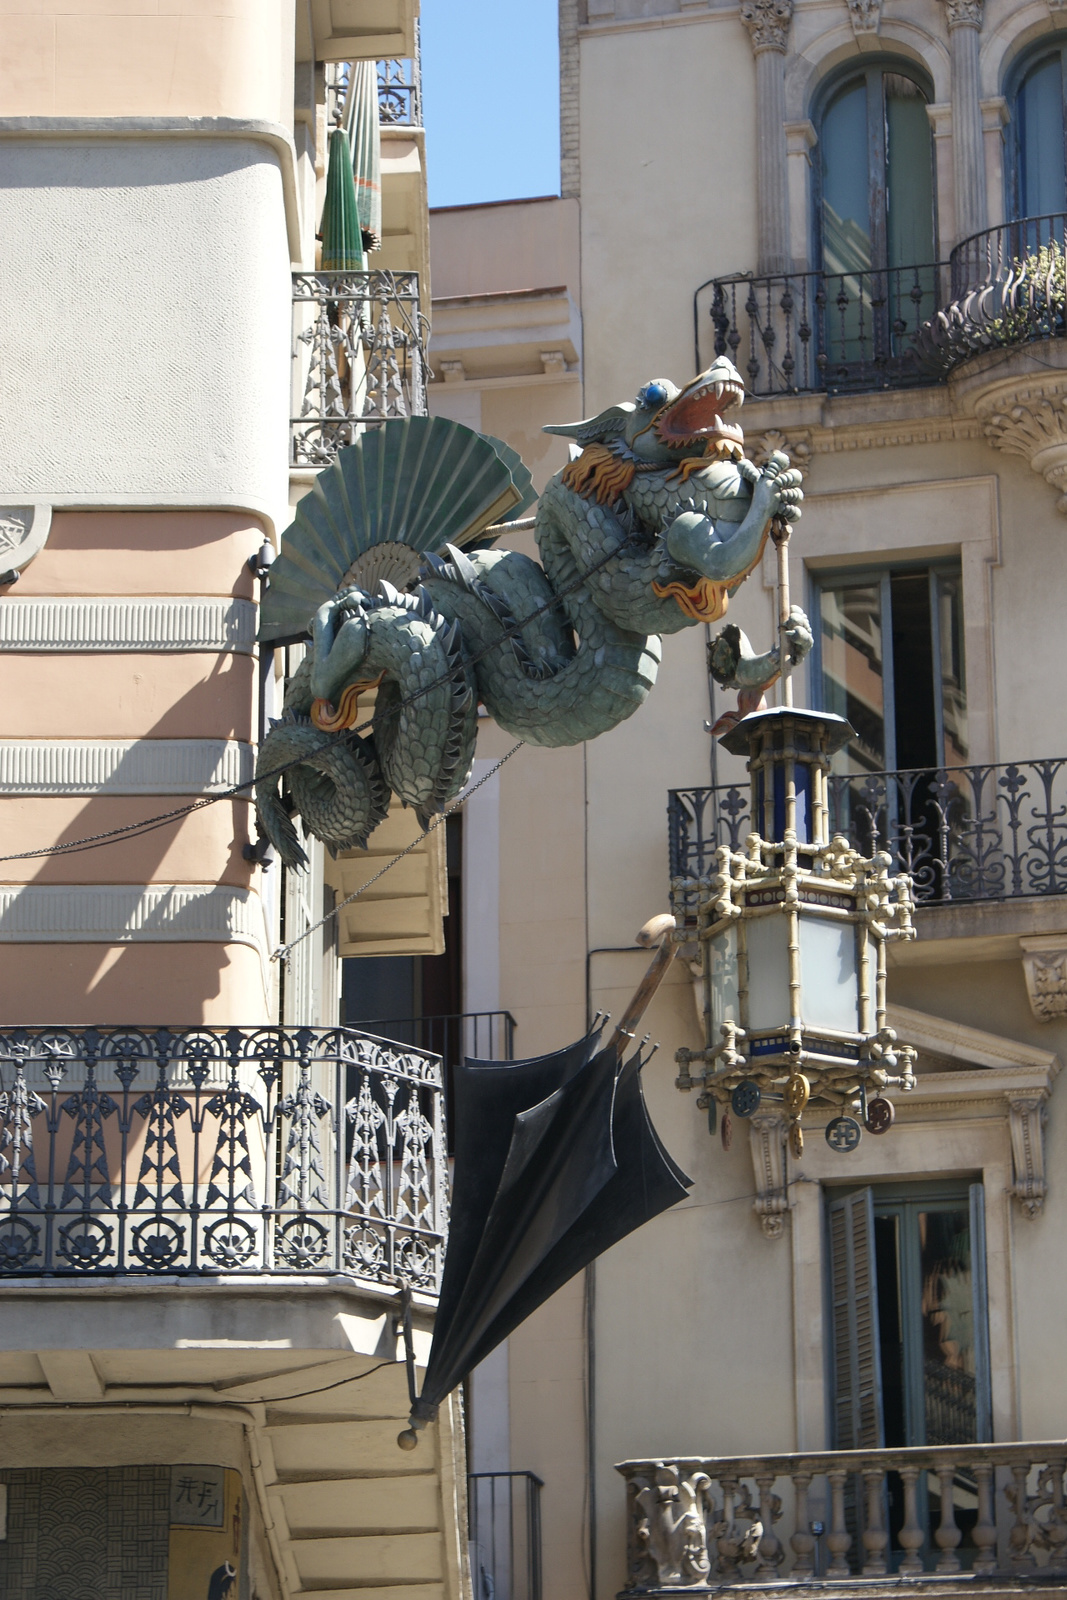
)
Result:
{"points": [[793, 933]]}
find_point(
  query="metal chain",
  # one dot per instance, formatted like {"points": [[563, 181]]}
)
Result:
{"points": [[283, 951]]}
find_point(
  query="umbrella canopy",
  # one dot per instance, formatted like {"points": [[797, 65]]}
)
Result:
{"points": [[556, 1161], [366, 136], [342, 243]]}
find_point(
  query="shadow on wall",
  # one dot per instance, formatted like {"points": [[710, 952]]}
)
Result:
{"points": [[144, 983]]}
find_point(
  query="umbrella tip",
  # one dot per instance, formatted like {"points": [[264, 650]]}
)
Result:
{"points": [[408, 1439]]}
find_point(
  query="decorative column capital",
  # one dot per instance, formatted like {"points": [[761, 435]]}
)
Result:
{"points": [[963, 13], [767, 22]]}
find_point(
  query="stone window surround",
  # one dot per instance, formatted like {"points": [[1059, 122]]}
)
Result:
{"points": [[960, 1123]]}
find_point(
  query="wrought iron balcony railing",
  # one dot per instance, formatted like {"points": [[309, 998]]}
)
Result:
{"points": [[399, 90], [1007, 287], [486, 1035], [359, 356], [994, 1511], [220, 1151], [799, 332], [400, 93], [504, 1522], [892, 327], [963, 833]]}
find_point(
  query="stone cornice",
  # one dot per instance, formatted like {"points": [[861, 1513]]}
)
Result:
{"points": [[128, 624], [767, 22], [122, 766]]}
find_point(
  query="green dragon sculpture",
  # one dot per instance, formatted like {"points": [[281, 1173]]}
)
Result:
{"points": [[390, 568]]}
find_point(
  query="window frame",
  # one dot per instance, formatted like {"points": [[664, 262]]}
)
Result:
{"points": [[1042, 49], [883, 573], [874, 67]]}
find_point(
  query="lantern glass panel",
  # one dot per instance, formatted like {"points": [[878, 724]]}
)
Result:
{"points": [[829, 979], [722, 977], [767, 939]]}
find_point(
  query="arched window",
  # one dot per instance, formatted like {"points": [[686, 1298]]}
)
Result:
{"points": [[875, 202], [874, 222], [1038, 120]]}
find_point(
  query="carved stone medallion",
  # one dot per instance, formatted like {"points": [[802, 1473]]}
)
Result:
{"points": [[23, 532]]}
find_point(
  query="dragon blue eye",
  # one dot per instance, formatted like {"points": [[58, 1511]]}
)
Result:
{"points": [[653, 394]]}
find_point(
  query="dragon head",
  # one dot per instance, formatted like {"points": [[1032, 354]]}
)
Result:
{"points": [[666, 424], [683, 422]]}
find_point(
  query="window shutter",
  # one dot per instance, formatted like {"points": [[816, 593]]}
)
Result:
{"points": [[857, 1372], [983, 1405]]}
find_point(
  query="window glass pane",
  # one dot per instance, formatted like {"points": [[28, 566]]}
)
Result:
{"points": [[914, 683], [1040, 114], [953, 675], [846, 222], [909, 179], [850, 623], [948, 1327]]}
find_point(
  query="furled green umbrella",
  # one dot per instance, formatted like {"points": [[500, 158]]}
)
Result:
{"points": [[366, 136], [342, 244]]}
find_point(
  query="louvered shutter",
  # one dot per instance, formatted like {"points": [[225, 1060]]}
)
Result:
{"points": [[857, 1370], [983, 1407]]}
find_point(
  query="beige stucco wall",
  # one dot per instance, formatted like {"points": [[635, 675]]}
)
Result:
{"points": [[125, 58], [513, 245]]}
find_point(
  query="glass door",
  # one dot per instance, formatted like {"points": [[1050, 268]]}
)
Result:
{"points": [[910, 1353], [889, 658]]}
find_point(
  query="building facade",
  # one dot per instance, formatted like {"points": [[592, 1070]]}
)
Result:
{"points": [[219, 1210], [862, 205]]}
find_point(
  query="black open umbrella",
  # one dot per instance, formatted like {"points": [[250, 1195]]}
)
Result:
{"points": [[556, 1160]]}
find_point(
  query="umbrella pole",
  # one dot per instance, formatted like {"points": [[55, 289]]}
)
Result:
{"points": [[656, 934]]}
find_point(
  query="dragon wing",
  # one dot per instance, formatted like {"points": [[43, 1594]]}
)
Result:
{"points": [[412, 485], [604, 426]]}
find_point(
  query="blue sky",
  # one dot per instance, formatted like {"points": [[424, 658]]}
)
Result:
{"points": [[490, 99]]}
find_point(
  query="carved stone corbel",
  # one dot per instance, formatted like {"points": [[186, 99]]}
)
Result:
{"points": [[1035, 427], [767, 1130], [796, 444], [866, 15], [1028, 1115], [1045, 969]]}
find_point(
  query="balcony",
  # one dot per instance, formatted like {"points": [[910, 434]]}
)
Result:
{"points": [[956, 1514], [965, 834], [890, 328], [359, 357], [223, 1152]]}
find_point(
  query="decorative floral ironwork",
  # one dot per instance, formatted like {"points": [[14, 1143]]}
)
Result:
{"points": [[360, 350], [962, 833], [131, 1151]]}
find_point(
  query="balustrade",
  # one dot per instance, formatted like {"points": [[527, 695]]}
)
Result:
{"points": [[963, 833], [988, 1510], [221, 1151]]}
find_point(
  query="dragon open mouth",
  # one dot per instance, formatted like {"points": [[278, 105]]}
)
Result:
{"points": [[696, 418]]}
